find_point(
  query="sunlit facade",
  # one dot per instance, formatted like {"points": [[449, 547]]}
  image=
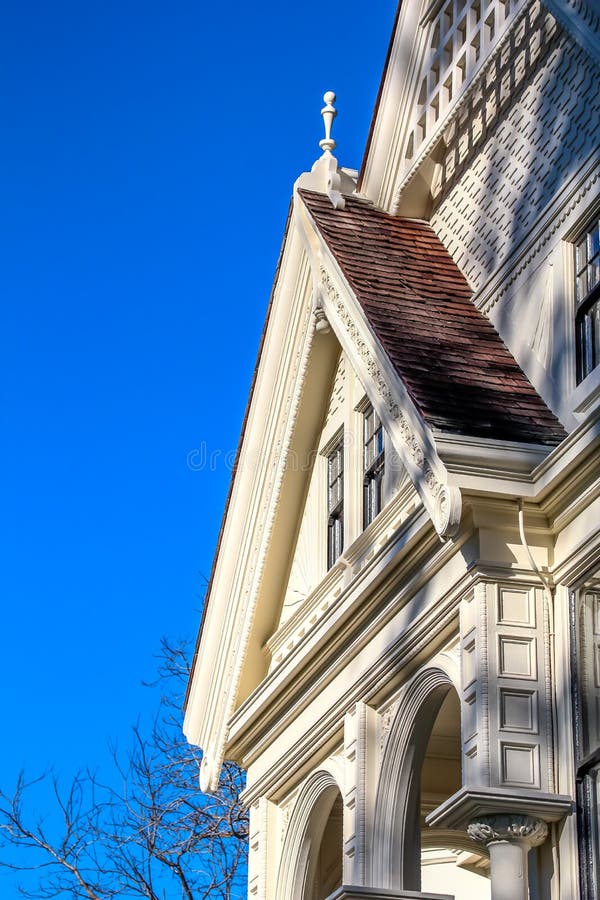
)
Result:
{"points": [[402, 637]]}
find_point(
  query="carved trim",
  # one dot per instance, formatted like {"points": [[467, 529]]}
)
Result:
{"points": [[548, 675], [209, 774], [285, 812], [448, 509], [385, 723], [481, 599], [506, 827], [367, 357], [445, 502]]}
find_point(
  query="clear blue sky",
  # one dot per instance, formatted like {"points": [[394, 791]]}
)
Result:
{"points": [[146, 164]]}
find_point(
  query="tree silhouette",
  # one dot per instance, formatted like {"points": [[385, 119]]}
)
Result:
{"points": [[149, 833]]}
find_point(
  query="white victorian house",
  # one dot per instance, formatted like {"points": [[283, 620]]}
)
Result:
{"points": [[401, 640]]}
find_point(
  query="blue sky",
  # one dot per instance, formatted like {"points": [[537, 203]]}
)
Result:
{"points": [[147, 160]]}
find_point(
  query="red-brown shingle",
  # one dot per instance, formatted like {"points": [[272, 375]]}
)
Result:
{"points": [[457, 370]]}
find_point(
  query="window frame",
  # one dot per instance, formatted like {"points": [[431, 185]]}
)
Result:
{"points": [[586, 269], [335, 501], [373, 464], [587, 757]]}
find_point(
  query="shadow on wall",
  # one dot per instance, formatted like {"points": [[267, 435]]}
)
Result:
{"points": [[520, 138]]}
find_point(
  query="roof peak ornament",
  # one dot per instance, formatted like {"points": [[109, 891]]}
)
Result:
{"points": [[329, 112], [326, 176]]}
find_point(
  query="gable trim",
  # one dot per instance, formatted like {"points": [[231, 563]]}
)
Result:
{"points": [[250, 519], [408, 432]]}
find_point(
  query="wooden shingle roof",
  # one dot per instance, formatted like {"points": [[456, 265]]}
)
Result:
{"points": [[453, 363]]}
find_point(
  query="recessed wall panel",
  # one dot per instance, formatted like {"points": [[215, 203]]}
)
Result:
{"points": [[518, 710], [516, 657], [520, 764], [516, 607]]}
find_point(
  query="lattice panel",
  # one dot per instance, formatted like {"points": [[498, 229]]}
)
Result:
{"points": [[461, 33]]}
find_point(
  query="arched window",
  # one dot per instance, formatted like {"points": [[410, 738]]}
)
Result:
{"points": [[421, 768]]}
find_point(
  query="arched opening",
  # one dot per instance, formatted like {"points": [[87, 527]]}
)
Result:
{"points": [[421, 768], [450, 862], [327, 875], [312, 854]]}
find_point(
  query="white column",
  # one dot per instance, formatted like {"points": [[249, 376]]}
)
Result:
{"points": [[509, 838]]}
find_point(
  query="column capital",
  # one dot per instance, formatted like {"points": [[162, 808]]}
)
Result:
{"points": [[516, 828]]}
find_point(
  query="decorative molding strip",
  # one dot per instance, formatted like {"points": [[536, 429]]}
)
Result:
{"points": [[385, 723], [444, 502], [367, 357], [285, 811], [551, 738], [480, 599]]}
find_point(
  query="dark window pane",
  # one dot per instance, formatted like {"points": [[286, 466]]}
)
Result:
{"points": [[587, 299], [594, 242], [335, 504], [373, 456]]}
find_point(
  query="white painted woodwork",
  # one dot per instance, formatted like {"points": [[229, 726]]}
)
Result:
{"points": [[423, 686]]}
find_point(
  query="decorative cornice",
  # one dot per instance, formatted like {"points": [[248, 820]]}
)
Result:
{"points": [[515, 828], [441, 617], [354, 892], [267, 517], [443, 502]]}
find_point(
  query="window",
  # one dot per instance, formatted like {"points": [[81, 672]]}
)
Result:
{"points": [[335, 503], [587, 300], [585, 624], [373, 461]]}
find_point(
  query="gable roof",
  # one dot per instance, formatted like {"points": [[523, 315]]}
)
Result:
{"points": [[456, 369]]}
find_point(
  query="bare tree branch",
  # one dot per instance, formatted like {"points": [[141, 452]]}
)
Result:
{"points": [[145, 831]]}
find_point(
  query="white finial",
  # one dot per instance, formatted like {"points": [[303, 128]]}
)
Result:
{"points": [[329, 113]]}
